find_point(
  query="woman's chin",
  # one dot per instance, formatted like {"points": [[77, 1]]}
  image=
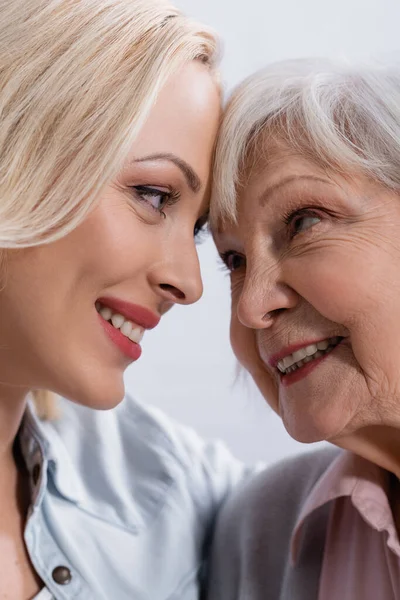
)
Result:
{"points": [[102, 394], [308, 428]]}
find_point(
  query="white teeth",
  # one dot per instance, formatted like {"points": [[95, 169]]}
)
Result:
{"points": [[117, 320], [305, 355], [126, 328], [311, 349], [323, 345], [299, 354], [288, 361], [136, 335], [106, 313]]}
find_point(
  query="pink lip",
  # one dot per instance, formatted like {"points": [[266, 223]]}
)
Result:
{"points": [[303, 371], [306, 369], [133, 312], [129, 348], [137, 314], [275, 358]]}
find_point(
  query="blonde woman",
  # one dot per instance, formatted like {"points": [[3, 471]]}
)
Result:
{"points": [[307, 220], [108, 114]]}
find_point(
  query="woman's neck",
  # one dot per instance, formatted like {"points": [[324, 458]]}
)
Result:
{"points": [[379, 444], [12, 407]]}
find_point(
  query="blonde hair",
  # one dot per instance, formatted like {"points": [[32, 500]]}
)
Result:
{"points": [[341, 116], [77, 81]]}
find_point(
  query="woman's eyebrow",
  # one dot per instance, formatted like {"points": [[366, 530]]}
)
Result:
{"points": [[266, 194], [193, 180]]}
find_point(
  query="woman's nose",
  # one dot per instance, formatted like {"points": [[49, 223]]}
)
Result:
{"points": [[263, 297], [178, 278]]}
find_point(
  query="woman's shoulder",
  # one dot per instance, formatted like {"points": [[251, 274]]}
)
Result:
{"points": [[133, 431], [137, 457], [265, 508], [279, 490], [294, 476], [251, 549]]}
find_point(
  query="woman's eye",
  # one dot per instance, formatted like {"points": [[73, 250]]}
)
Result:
{"points": [[300, 222], [155, 198], [232, 260], [200, 232]]}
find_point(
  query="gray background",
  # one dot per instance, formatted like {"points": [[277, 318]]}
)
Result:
{"points": [[187, 367]]}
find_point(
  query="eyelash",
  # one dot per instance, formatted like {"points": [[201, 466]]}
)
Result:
{"points": [[224, 259], [288, 218], [143, 190], [200, 232], [200, 229]]}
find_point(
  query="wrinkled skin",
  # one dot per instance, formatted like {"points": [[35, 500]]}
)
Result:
{"points": [[315, 255]]}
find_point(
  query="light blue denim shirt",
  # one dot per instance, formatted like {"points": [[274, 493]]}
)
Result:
{"points": [[123, 502]]}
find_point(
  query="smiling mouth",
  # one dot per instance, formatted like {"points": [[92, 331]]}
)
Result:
{"points": [[127, 328], [303, 356]]}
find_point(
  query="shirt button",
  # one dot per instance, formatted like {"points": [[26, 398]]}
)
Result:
{"points": [[35, 474], [62, 575]]}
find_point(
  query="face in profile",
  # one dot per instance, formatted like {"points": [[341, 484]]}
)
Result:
{"points": [[73, 313], [315, 279]]}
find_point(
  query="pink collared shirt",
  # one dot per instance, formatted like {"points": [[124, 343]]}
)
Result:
{"points": [[362, 551]]}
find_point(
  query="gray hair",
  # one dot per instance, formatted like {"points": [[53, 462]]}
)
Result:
{"points": [[343, 117]]}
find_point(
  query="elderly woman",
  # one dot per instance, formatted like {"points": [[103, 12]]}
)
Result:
{"points": [[306, 216], [109, 111]]}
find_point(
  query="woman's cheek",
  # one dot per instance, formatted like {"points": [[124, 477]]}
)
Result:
{"points": [[244, 345], [333, 289], [242, 338]]}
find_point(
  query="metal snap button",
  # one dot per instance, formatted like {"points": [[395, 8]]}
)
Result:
{"points": [[62, 575]]}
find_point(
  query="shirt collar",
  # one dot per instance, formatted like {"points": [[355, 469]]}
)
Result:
{"points": [[45, 452], [44, 456], [367, 486]]}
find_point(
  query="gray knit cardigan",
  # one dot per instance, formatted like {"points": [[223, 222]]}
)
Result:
{"points": [[251, 549]]}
